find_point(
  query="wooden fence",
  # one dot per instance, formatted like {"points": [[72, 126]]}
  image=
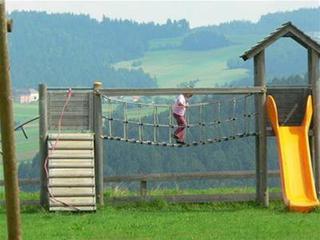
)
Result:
{"points": [[143, 179]]}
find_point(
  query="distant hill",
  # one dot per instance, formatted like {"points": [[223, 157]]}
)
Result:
{"points": [[307, 19], [75, 50]]}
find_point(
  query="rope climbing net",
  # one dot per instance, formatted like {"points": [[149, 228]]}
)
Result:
{"points": [[214, 120]]}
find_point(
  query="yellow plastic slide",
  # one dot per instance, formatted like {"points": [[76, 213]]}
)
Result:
{"points": [[297, 181]]}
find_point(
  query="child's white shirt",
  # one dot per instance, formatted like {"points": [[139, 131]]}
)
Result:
{"points": [[180, 110]]}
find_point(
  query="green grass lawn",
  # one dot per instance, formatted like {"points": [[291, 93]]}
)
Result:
{"points": [[160, 220]]}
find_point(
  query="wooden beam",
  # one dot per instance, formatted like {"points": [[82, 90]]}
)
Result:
{"points": [[143, 188], [9, 25], [7, 135], [187, 176], [313, 73], [168, 177], [261, 139], [267, 41], [98, 143], [174, 91], [199, 198], [43, 135]]}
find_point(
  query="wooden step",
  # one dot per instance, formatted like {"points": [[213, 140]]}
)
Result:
{"points": [[72, 191], [71, 179], [70, 145], [77, 208], [72, 201], [71, 163], [71, 173], [71, 182], [71, 136], [71, 154]]}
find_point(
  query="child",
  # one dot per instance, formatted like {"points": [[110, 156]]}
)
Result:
{"points": [[179, 110]]}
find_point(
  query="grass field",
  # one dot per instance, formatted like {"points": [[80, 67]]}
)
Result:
{"points": [[160, 220], [26, 148], [174, 67]]}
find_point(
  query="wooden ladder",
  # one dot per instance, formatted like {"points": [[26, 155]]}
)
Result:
{"points": [[71, 180]]}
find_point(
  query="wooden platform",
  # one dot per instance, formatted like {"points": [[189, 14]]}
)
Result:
{"points": [[71, 172]]}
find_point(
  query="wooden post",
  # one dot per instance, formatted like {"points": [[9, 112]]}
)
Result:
{"points": [[143, 188], [313, 73], [7, 135], [43, 150], [261, 140], [98, 143]]}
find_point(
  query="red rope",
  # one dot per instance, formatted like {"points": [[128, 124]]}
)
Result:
{"points": [[69, 95]]}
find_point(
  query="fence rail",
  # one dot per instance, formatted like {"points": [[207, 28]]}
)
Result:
{"points": [[144, 178], [175, 91]]}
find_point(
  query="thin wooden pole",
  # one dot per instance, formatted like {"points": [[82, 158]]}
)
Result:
{"points": [[261, 140], [7, 135], [98, 143], [143, 188], [313, 73], [43, 150]]}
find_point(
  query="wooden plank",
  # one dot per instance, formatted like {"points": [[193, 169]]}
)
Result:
{"points": [[261, 139], [79, 128], [71, 154], [71, 163], [203, 198], [72, 201], [71, 173], [175, 91], [43, 149], [70, 124], [188, 176], [66, 115], [68, 145], [143, 188], [71, 136], [72, 107], [62, 96], [72, 191], [67, 119], [98, 143], [314, 79], [170, 177], [91, 111], [206, 198], [291, 103], [78, 208], [58, 98], [71, 182]]}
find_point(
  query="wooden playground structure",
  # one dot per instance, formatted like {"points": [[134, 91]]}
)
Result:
{"points": [[71, 134]]}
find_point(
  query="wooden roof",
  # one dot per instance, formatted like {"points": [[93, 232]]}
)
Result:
{"points": [[285, 30]]}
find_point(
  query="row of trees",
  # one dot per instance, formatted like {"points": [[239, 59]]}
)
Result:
{"points": [[74, 50]]}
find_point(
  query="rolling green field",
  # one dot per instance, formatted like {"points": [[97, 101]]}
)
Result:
{"points": [[160, 220], [173, 67]]}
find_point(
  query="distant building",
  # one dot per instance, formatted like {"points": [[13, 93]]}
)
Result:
{"points": [[26, 96], [135, 98]]}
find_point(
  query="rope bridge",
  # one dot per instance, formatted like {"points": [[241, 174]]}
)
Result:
{"points": [[208, 122]]}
